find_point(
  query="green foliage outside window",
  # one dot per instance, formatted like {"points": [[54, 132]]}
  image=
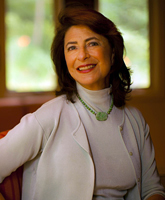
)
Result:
{"points": [[29, 34], [131, 17], [30, 31]]}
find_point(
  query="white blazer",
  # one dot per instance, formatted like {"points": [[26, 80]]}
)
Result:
{"points": [[53, 144]]}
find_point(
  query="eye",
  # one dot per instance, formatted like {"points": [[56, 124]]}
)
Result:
{"points": [[91, 44], [71, 48]]}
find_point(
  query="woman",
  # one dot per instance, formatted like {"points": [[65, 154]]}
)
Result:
{"points": [[85, 144]]}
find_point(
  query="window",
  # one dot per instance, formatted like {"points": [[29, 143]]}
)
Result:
{"points": [[29, 34], [156, 32], [131, 17]]}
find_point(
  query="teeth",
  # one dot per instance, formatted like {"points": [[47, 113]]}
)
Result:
{"points": [[86, 67]]}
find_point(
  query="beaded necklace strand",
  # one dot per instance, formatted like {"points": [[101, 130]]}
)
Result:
{"points": [[100, 116]]}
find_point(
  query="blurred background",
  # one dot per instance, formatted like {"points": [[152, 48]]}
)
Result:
{"points": [[30, 30]]}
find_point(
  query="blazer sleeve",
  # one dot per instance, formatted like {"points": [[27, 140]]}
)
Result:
{"points": [[150, 179], [21, 144]]}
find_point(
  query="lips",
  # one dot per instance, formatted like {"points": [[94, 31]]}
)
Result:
{"points": [[86, 67]]}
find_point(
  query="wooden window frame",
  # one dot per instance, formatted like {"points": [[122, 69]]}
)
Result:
{"points": [[22, 98], [157, 40]]}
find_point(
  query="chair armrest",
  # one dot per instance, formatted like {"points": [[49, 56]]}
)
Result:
{"points": [[11, 187], [1, 197]]}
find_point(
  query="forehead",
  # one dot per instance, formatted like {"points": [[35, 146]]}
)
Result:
{"points": [[81, 32]]}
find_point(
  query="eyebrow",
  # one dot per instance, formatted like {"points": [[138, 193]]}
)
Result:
{"points": [[88, 39]]}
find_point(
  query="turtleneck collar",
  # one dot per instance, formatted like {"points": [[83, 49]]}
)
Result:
{"points": [[97, 99]]}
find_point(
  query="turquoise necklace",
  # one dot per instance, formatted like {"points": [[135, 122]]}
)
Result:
{"points": [[100, 116]]}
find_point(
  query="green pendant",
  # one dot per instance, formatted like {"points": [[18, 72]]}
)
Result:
{"points": [[101, 116]]}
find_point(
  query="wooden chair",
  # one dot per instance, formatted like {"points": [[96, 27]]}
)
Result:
{"points": [[11, 187]]}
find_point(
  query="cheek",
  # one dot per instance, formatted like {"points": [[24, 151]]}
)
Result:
{"points": [[66, 58], [69, 60], [70, 67], [107, 57]]}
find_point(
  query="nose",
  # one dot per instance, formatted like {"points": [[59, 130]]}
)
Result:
{"points": [[83, 54]]}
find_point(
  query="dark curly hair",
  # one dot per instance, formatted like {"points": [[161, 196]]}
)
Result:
{"points": [[119, 73]]}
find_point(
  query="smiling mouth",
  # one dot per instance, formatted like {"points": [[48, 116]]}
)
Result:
{"points": [[86, 67]]}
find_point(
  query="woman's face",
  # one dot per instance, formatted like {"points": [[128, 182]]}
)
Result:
{"points": [[88, 57]]}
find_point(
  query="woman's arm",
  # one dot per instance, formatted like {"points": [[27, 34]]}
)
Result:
{"points": [[156, 197], [1, 197], [150, 182], [21, 144]]}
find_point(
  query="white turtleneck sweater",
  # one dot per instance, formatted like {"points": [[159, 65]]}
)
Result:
{"points": [[114, 173]]}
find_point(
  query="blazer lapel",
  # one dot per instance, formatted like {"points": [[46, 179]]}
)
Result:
{"points": [[80, 137], [79, 133]]}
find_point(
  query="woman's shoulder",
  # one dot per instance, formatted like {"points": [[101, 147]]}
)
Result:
{"points": [[136, 119], [56, 103], [48, 115], [53, 109], [50, 110], [133, 112]]}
